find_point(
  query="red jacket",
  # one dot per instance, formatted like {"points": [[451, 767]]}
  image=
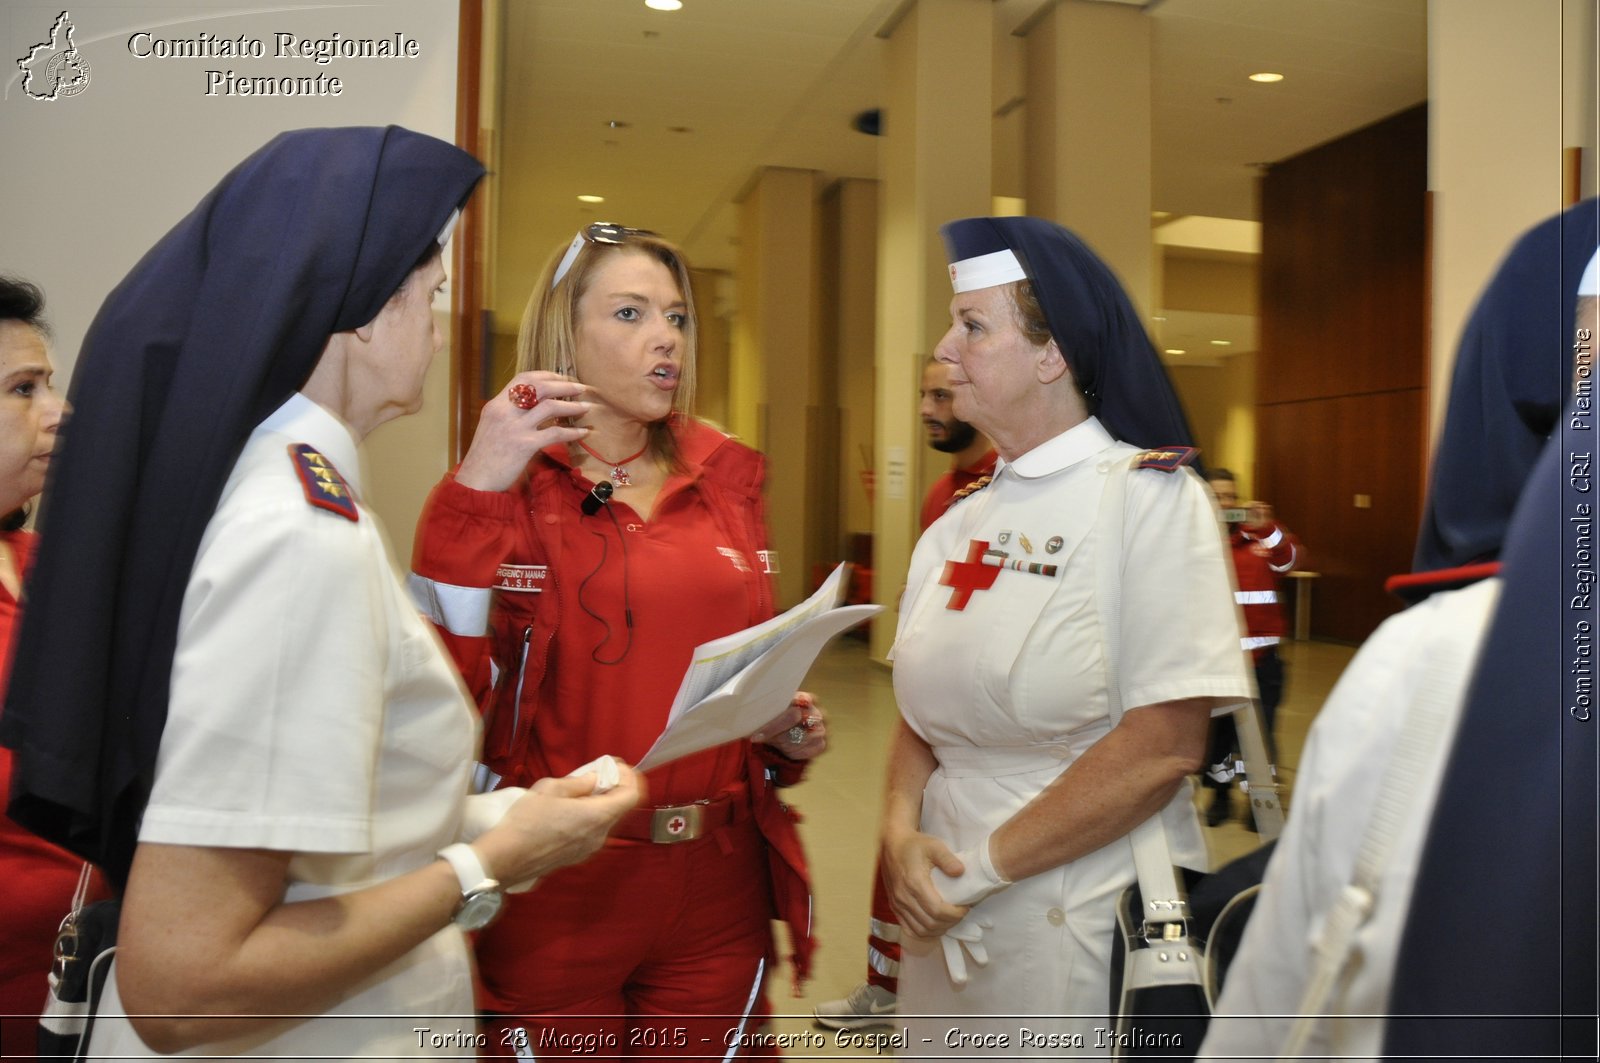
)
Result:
{"points": [[1262, 555], [474, 539]]}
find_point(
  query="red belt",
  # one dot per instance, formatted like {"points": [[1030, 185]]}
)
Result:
{"points": [[670, 824]]}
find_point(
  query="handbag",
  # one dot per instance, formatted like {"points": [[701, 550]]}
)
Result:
{"points": [[85, 945], [1164, 1013], [1168, 959]]}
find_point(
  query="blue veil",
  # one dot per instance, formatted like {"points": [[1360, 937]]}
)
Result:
{"points": [[213, 329], [1093, 323]]}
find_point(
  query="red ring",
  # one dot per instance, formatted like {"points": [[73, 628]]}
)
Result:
{"points": [[523, 396]]}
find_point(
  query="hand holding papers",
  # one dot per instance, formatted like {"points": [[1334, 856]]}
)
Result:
{"points": [[606, 774], [739, 682]]}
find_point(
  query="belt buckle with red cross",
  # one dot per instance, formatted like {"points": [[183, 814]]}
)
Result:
{"points": [[679, 823], [965, 577]]}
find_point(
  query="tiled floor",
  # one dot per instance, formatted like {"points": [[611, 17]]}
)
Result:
{"points": [[843, 796]]}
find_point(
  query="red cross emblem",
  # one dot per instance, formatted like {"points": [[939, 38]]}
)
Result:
{"points": [[967, 576], [677, 825]]}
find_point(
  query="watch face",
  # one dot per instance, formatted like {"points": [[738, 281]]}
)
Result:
{"points": [[478, 909]]}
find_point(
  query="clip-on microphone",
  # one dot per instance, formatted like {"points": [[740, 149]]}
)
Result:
{"points": [[592, 504], [596, 498]]}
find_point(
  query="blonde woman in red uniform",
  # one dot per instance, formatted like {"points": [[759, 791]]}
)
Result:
{"points": [[572, 584]]}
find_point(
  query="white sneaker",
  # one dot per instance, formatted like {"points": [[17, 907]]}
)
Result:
{"points": [[867, 1005]]}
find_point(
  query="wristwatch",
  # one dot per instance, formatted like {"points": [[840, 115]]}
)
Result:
{"points": [[481, 896]]}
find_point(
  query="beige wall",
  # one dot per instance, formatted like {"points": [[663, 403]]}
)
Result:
{"points": [[1208, 284], [1496, 143], [714, 353], [854, 267], [98, 178], [1220, 401]]}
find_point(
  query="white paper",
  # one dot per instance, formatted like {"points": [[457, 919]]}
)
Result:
{"points": [[739, 682]]}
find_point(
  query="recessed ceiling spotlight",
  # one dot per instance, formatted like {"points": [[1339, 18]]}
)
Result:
{"points": [[1222, 343], [663, 5], [1176, 350], [1266, 77], [679, 129], [617, 123], [598, 199]]}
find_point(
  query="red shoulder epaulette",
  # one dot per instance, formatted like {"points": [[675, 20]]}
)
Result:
{"points": [[324, 487], [1167, 459]]}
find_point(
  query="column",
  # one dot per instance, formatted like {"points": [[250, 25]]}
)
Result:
{"points": [[935, 167], [775, 370], [1088, 132], [849, 301]]}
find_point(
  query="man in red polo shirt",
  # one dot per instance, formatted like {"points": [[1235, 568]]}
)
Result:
{"points": [[1264, 551], [972, 457]]}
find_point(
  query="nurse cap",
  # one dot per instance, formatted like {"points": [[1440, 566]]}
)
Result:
{"points": [[979, 255]]}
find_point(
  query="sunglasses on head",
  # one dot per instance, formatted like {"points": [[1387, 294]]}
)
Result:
{"points": [[601, 232]]}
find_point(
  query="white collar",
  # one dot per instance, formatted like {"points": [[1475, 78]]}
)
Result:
{"points": [[304, 421], [1083, 440]]}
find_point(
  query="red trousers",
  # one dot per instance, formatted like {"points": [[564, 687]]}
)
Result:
{"points": [[883, 938], [646, 951]]}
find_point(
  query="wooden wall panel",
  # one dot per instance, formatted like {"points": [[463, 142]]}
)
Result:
{"points": [[1341, 384], [1323, 454], [1342, 265]]}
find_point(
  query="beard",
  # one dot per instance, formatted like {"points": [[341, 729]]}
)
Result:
{"points": [[958, 436]]}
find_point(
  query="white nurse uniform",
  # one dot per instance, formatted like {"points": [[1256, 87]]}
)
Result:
{"points": [[313, 711], [1008, 686]]}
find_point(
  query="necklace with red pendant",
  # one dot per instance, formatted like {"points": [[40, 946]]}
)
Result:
{"points": [[619, 469]]}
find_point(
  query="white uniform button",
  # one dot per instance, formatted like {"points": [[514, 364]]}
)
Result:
{"points": [[1056, 916]]}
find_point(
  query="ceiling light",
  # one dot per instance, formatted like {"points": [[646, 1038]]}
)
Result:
{"points": [[602, 199], [1222, 343], [663, 5], [1176, 350], [1266, 77]]}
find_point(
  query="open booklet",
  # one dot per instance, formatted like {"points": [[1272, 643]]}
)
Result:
{"points": [[739, 682]]}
